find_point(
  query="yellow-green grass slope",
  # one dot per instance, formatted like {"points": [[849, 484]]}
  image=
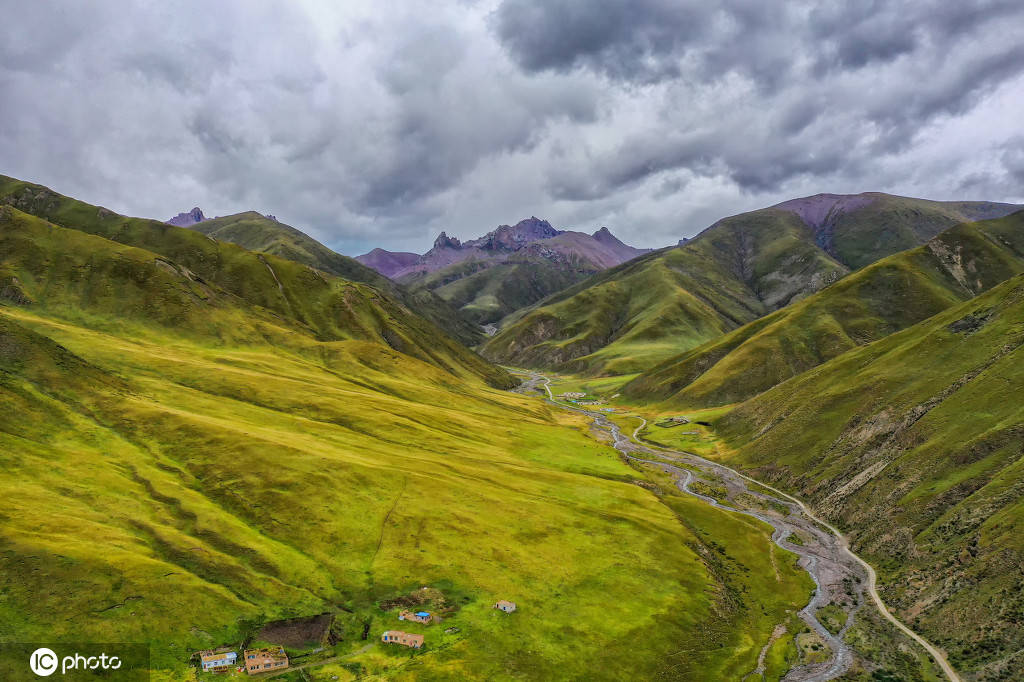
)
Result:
{"points": [[223, 273], [256, 232], [914, 444], [631, 318], [867, 305], [179, 463]]}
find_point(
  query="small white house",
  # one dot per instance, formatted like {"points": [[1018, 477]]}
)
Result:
{"points": [[217, 661], [506, 606]]}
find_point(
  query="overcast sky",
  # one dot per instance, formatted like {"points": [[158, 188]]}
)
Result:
{"points": [[382, 123]]}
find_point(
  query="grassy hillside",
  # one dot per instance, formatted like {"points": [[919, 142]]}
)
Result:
{"points": [[767, 258], [329, 307], [485, 292], [885, 224], [629, 318], [884, 297], [191, 448], [255, 232], [915, 445]]}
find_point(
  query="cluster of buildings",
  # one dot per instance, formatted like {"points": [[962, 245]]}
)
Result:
{"points": [[253, 661], [272, 659], [576, 398], [669, 422], [409, 639], [415, 641]]}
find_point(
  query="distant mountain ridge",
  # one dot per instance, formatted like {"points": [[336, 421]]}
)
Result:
{"points": [[599, 250], [885, 297], [630, 318], [895, 221], [386, 262], [507, 269]]}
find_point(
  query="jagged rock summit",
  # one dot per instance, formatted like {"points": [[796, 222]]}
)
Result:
{"points": [[188, 219], [532, 236], [443, 241], [510, 267]]}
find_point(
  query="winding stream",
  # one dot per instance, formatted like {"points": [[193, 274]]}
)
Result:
{"points": [[818, 556], [839, 575]]}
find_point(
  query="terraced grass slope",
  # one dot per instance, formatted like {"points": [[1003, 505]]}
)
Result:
{"points": [[767, 258], [915, 445], [189, 448], [328, 307], [869, 304], [256, 232]]}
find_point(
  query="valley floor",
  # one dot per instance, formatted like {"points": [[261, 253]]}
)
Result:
{"points": [[844, 584]]}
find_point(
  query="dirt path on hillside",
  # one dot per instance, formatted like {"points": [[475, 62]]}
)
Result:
{"points": [[841, 577]]}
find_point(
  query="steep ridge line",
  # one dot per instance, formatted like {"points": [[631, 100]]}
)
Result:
{"points": [[843, 543]]}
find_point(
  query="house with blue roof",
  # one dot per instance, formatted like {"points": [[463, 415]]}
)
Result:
{"points": [[217, 661], [417, 617]]}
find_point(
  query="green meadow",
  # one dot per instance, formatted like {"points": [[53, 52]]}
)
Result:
{"points": [[190, 451], [166, 491], [698, 438]]}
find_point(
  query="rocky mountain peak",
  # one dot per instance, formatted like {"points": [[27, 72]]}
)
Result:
{"points": [[515, 237], [443, 241], [605, 236], [186, 219]]}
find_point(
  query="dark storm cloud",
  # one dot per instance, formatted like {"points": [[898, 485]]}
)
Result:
{"points": [[822, 87], [639, 39], [645, 41], [381, 124]]}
